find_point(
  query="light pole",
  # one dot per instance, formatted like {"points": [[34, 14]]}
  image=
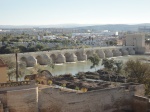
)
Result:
{"points": [[16, 55]]}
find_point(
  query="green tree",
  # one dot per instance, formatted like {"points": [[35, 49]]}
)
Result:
{"points": [[108, 64], [39, 47], [94, 60], [10, 62], [11, 73], [118, 66], [22, 69], [138, 72]]}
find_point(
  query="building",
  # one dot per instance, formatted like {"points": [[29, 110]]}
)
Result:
{"points": [[3, 72], [137, 40]]}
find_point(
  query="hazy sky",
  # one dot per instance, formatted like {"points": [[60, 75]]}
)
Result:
{"points": [[46, 12]]}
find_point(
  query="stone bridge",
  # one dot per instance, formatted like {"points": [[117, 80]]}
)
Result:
{"points": [[73, 55]]}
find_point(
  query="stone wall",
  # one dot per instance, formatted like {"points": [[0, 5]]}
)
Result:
{"points": [[141, 104], [3, 98], [19, 98], [106, 100], [25, 100], [3, 74], [30, 98]]}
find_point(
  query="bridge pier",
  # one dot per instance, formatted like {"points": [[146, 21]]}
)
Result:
{"points": [[60, 59], [89, 53], [124, 52], [81, 56], [131, 51], [100, 53], [73, 57], [116, 52], [31, 61], [70, 57], [108, 53], [43, 59]]}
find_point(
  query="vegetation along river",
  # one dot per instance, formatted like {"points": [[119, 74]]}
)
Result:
{"points": [[76, 67]]}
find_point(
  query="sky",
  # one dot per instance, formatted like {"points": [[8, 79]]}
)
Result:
{"points": [[50, 12]]}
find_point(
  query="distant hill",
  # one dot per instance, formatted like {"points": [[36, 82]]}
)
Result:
{"points": [[115, 27], [43, 26], [110, 27]]}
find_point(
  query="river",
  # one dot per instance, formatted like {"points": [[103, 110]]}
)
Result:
{"points": [[74, 68]]}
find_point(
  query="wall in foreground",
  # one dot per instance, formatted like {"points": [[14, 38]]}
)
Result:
{"points": [[3, 74], [22, 100], [107, 100], [48, 99], [141, 104]]}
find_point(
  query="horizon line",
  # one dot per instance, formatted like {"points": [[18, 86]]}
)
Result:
{"points": [[72, 24]]}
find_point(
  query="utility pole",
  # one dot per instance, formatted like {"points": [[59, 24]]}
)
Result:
{"points": [[16, 55]]}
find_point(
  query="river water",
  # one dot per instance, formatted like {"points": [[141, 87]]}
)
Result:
{"points": [[74, 68]]}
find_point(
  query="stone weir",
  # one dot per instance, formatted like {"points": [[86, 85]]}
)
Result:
{"points": [[73, 55]]}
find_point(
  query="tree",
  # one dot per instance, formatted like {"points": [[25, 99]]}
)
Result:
{"points": [[22, 69], [39, 47], [108, 64], [22, 48], [118, 66], [95, 61], [36, 69], [10, 62], [11, 73], [137, 71]]}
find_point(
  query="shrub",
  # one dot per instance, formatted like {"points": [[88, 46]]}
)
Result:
{"points": [[50, 82], [84, 89]]}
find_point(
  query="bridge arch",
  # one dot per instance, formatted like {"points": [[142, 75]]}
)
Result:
{"points": [[124, 51], [100, 53], [60, 58], [78, 54], [67, 56], [43, 59], [31, 61], [131, 51], [116, 52], [24, 60], [39, 59], [89, 53], [108, 53], [53, 57]]}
